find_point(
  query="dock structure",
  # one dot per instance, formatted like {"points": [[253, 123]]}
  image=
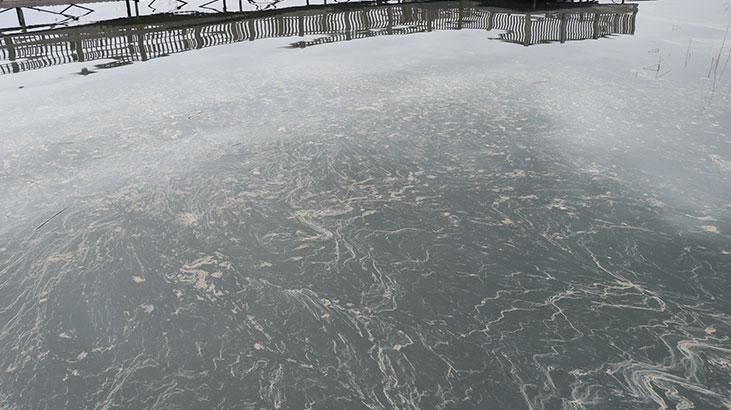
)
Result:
{"points": [[123, 41]]}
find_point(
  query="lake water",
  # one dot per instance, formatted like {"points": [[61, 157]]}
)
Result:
{"points": [[397, 216]]}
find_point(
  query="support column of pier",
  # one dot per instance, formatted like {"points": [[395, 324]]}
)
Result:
{"points": [[21, 17], [528, 30], [11, 54]]}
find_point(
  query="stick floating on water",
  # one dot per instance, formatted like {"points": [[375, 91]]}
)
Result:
{"points": [[49, 219]]}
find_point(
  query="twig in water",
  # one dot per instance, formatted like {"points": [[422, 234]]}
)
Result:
{"points": [[49, 219]]}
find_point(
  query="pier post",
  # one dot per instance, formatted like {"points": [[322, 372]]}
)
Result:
{"points": [[460, 14], [21, 17], [12, 54]]}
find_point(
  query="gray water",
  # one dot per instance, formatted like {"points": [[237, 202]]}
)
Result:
{"points": [[432, 220]]}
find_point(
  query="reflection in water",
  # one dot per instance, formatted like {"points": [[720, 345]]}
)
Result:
{"points": [[140, 39]]}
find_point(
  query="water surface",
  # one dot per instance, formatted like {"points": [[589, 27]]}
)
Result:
{"points": [[439, 219]]}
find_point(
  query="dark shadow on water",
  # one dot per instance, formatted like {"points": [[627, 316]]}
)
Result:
{"points": [[130, 39]]}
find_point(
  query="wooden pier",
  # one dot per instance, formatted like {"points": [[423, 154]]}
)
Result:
{"points": [[123, 41]]}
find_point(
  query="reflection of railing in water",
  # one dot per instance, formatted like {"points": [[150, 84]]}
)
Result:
{"points": [[128, 40]]}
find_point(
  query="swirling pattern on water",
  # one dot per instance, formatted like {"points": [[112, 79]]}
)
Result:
{"points": [[438, 241]]}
